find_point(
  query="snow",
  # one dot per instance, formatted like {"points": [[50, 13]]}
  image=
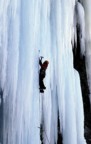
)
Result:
{"points": [[29, 29]]}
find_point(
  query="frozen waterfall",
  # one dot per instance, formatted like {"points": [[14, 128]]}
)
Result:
{"points": [[29, 29]]}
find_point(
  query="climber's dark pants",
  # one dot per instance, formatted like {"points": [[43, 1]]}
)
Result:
{"points": [[41, 83]]}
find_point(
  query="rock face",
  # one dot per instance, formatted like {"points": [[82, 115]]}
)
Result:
{"points": [[83, 66], [79, 65]]}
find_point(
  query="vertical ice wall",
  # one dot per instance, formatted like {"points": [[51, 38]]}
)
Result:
{"points": [[27, 27], [21, 103]]}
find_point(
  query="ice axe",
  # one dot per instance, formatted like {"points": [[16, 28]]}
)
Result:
{"points": [[41, 57]]}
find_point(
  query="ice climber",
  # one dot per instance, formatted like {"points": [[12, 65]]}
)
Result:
{"points": [[42, 74]]}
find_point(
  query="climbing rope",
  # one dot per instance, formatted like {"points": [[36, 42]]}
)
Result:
{"points": [[41, 114], [43, 130], [41, 122]]}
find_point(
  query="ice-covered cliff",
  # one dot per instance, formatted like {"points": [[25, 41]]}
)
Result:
{"points": [[28, 29]]}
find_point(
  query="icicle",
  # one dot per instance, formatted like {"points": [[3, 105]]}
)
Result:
{"points": [[81, 26]]}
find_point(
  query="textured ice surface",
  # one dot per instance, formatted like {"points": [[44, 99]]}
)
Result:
{"points": [[27, 26]]}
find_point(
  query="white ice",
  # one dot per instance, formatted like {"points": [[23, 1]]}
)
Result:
{"points": [[28, 29], [80, 18]]}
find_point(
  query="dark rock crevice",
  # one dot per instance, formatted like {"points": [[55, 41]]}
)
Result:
{"points": [[1, 116], [60, 139], [80, 66]]}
